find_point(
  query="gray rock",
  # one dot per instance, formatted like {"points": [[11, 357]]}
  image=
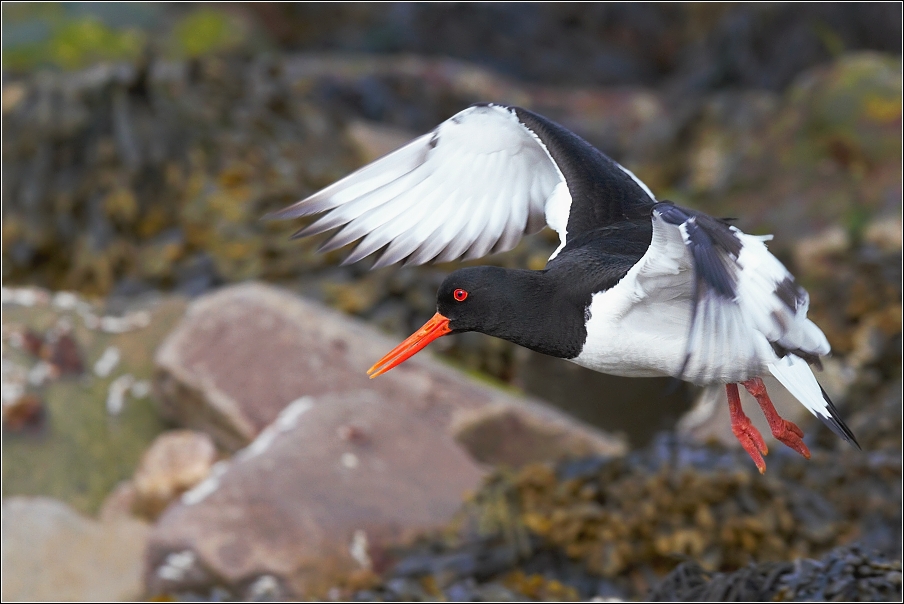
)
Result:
{"points": [[50, 552]]}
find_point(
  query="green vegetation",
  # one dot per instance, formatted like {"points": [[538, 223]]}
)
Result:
{"points": [[206, 31], [76, 35]]}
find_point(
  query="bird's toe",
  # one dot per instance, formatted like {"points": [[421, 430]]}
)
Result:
{"points": [[752, 441], [792, 436]]}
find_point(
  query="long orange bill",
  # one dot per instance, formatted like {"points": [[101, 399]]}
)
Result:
{"points": [[432, 329]]}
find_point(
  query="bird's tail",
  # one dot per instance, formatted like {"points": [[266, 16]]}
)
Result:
{"points": [[795, 375]]}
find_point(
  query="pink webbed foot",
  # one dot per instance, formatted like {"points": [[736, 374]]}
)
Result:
{"points": [[783, 430], [746, 433]]}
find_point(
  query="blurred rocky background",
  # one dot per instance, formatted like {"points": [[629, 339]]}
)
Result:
{"points": [[168, 433]]}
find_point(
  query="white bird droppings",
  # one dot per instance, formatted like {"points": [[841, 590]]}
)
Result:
{"points": [[286, 420], [116, 393], [107, 362], [65, 301], [40, 373], [358, 549], [264, 588], [24, 296], [176, 565], [206, 487], [349, 460], [140, 389]]}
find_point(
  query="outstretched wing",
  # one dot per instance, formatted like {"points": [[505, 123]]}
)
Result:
{"points": [[473, 186], [735, 286]]}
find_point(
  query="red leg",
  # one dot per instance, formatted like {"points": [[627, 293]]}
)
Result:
{"points": [[783, 430], [746, 433]]}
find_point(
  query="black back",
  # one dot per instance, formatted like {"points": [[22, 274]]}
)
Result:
{"points": [[602, 194], [597, 259]]}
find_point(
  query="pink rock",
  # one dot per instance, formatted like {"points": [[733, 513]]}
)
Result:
{"points": [[307, 506], [242, 354], [336, 469]]}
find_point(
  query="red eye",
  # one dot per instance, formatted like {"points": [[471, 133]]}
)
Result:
{"points": [[460, 295]]}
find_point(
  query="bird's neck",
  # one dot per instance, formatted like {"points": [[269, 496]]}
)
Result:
{"points": [[539, 314]]}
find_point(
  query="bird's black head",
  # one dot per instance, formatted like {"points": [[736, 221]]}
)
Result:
{"points": [[473, 299], [524, 307], [470, 299]]}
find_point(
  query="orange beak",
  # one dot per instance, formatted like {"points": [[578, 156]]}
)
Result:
{"points": [[434, 328]]}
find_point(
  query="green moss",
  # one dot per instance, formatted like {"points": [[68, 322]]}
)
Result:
{"points": [[76, 43], [82, 451], [87, 40], [206, 31], [73, 37]]}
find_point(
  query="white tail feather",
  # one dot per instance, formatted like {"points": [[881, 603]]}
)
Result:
{"points": [[796, 376]]}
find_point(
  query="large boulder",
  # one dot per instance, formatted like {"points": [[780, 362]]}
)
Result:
{"points": [[336, 469], [323, 492]]}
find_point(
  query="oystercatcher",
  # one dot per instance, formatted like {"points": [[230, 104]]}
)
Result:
{"points": [[635, 288]]}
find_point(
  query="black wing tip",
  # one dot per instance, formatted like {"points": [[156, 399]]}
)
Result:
{"points": [[835, 423]]}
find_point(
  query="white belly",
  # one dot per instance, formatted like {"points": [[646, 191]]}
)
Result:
{"points": [[650, 339]]}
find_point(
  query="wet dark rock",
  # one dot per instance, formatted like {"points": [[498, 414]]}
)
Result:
{"points": [[617, 527], [846, 574], [690, 583]]}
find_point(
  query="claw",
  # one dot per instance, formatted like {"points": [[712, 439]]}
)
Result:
{"points": [[791, 435], [746, 433], [752, 441], [783, 430]]}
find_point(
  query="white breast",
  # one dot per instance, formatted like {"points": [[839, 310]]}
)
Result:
{"points": [[624, 339]]}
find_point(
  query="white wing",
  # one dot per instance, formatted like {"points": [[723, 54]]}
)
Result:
{"points": [[746, 311], [474, 185]]}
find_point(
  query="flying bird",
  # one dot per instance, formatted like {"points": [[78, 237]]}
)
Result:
{"points": [[637, 287]]}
